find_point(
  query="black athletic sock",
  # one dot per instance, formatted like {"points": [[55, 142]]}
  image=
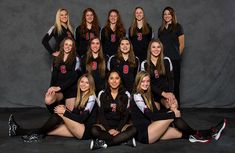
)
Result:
{"points": [[50, 124], [98, 133], [124, 136]]}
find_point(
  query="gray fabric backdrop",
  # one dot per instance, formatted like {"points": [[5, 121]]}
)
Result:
{"points": [[208, 61]]}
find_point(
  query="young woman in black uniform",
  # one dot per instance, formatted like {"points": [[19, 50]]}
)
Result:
{"points": [[153, 124], [160, 70], [125, 62], [112, 33], [95, 63], [88, 29], [113, 127], [140, 34], [60, 30], [63, 122], [171, 35], [64, 77]]}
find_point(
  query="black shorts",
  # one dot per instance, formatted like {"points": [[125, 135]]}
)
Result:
{"points": [[87, 133], [142, 135]]}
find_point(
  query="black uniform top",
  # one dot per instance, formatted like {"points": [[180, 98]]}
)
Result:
{"points": [[113, 113], [82, 40], [170, 41], [160, 83], [86, 115], [127, 72], [99, 80], [65, 75], [142, 116], [140, 42], [110, 43], [55, 45]]}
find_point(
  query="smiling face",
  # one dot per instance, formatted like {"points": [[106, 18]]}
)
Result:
{"points": [[63, 16], [68, 45], [167, 16], [145, 83], [155, 49], [125, 46], [139, 14], [95, 45], [114, 80], [84, 84], [113, 17], [89, 17]]}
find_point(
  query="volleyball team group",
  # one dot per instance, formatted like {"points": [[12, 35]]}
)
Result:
{"points": [[115, 87]]}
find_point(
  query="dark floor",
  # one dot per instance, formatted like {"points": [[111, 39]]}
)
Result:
{"points": [[198, 118]]}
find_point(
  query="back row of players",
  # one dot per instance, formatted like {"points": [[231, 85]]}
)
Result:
{"points": [[117, 51]]}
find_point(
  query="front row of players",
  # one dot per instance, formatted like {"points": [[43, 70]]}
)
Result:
{"points": [[118, 117], [115, 117]]}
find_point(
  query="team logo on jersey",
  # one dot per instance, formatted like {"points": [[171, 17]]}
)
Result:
{"points": [[69, 34], [139, 36], [125, 69], [94, 65], [89, 35], [156, 74], [113, 106], [92, 35], [63, 69], [113, 37]]}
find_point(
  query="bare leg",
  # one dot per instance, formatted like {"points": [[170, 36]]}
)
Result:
{"points": [[171, 133], [157, 129], [61, 130], [69, 103], [77, 129]]}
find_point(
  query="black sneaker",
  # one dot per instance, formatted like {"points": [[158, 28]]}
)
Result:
{"points": [[97, 144], [198, 138], [12, 126], [217, 130], [131, 142], [32, 138]]}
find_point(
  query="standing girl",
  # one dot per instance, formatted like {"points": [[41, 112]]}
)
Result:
{"points": [[112, 33], [125, 62], [64, 77], [76, 123], [153, 124], [113, 127], [58, 32], [95, 63], [171, 35], [140, 34], [88, 29]]}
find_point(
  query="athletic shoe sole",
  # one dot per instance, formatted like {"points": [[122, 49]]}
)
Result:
{"points": [[218, 134], [193, 140]]}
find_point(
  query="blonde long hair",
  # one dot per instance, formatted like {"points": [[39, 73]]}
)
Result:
{"points": [[160, 67], [58, 25], [81, 97], [145, 94]]}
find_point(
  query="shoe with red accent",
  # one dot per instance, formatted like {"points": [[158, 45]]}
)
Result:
{"points": [[218, 129]]}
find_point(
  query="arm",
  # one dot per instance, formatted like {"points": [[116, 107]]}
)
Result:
{"points": [[46, 39], [181, 42], [154, 116], [81, 117], [126, 114], [102, 119]]}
